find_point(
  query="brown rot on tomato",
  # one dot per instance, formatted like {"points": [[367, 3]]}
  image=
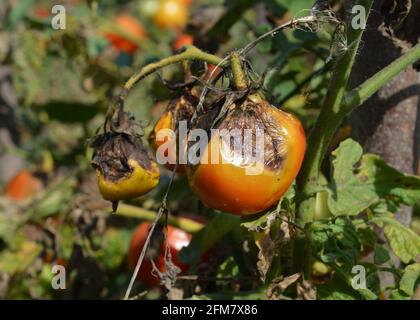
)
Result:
{"points": [[123, 166], [253, 154], [164, 138]]}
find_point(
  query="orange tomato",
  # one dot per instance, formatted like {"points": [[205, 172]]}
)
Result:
{"points": [[181, 108], [171, 14], [177, 239], [181, 41], [132, 27], [185, 2], [23, 186], [228, 186]]}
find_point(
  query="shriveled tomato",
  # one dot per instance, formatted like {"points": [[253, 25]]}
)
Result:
{"points": [[132, 27], [181, 41], [23, 185], [123, 166], [171, 14], [177, 239], [228, 180]]}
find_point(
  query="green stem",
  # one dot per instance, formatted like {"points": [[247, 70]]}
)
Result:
{"points": [[191, 53], [359, 95], [239, 78], [185, 224], [329, 119]]}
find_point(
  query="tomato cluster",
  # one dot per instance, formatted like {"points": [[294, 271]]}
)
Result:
{"points": [[228, 184], [165, 14]]}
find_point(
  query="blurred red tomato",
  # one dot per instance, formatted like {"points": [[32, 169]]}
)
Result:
{"points": [[185, 2], [181, 41], [23, 186], [177, 239]]}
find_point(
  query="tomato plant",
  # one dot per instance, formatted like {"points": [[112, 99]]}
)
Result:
{"points": [[293, 145]]}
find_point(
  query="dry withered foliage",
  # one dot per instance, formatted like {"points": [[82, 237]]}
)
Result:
{"points": [[270, 245], [279, 285]]}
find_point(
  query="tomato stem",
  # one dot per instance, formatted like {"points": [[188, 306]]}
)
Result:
{"points": [[359, 95], [191, 53], [239, 78], [185, 224], [330, 117]]}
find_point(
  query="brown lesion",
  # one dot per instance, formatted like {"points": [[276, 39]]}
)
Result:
{"points": [[113, 149], [245, 114]]}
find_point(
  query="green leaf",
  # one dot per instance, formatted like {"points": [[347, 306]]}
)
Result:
{"points": [[336, 289], [399, 295], [18, 11], [295, 7], [228, 268], [359, 182], [381, 255], [13, 262], [206, 238], [404, 242], [114, 247], [410, 278], [336, 241]]}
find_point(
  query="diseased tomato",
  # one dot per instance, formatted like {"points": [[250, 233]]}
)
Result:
{"points": [[23, 185], [231, 181], [181, 41], [181, 108], [177, 239], [171, 15], [131, 26], [124, 168]]}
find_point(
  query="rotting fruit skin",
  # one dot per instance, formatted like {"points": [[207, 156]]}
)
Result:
{"points": [[123, 166], [177, 239], [139, 182], [227, 187], [181, 108]]}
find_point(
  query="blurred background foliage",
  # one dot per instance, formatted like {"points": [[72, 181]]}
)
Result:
{"points": [[62, 83]]}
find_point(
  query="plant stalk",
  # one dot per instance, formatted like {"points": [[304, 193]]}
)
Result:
{"points": [[185, 224], [359, 95], [329, 119], [191, 53], [239, 78]]}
